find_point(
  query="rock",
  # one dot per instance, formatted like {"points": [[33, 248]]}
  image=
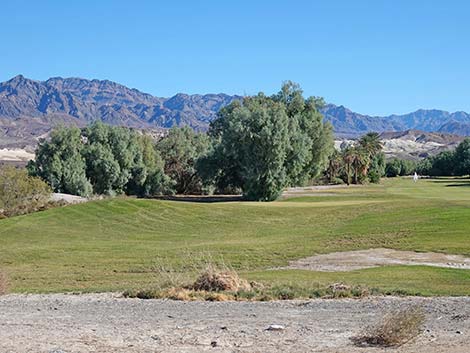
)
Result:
{"points": [[275, 327], [214, 344]]}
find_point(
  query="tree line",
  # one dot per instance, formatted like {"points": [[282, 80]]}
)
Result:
{"points": [[446, 163], [357, 163], [256, 147]]}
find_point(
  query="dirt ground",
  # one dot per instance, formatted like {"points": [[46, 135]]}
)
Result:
{"points": [[359, 259], [107, 323]]}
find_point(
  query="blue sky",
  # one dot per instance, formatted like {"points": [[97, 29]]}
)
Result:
{"points": [[376, 57]]}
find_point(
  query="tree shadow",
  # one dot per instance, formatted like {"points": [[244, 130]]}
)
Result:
{"points": [[202, 198], [450, 180], [467, 184]]}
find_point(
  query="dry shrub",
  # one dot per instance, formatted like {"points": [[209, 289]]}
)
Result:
{"points": [[3, 283], [178, 294], [395, 328], [214, 279], [218, 297]]}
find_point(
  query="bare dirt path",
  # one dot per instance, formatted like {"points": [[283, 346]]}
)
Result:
{"points": [[359, 259], [105, 323]]}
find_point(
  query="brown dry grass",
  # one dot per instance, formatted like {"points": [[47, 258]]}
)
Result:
{"points": [[214, 279], [395, 328]]}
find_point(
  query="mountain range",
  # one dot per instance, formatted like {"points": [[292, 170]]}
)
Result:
{"points": [[29, 109], [350, 124]]}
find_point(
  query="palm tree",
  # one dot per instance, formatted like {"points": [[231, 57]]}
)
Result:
{"points": [[334, 166], [348, 159], [359, 162], [371, 143]]}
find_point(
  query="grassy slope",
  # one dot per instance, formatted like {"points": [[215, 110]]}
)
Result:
{"points": [[110, 245]]}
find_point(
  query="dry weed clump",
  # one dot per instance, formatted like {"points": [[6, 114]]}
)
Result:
{"points": [[395, 328], [3, 283], [213, 279]]}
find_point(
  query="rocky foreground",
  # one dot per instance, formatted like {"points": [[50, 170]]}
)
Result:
{"points": [[107, 323]]}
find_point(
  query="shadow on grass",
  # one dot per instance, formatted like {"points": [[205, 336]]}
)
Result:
{"points": [[202, 198], [452, 181]]}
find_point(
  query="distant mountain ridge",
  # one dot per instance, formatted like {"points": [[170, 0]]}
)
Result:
{"points": [[350, 124], [29, 109]]}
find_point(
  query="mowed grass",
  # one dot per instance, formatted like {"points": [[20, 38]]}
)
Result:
{"points": [[112, 245]]}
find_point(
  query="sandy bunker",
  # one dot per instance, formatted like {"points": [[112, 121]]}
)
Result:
{"points": [[360, 259]]}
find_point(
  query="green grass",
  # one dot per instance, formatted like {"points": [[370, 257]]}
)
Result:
{"points": [[112, 244]]}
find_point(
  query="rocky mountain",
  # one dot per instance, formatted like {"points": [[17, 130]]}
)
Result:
{"points": [[29, 109], [350, 124], [415, 144], [412, 144]]}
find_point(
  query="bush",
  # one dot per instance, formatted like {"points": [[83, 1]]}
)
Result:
{"points": [[21, 193], [374, 177], [395, 328]]}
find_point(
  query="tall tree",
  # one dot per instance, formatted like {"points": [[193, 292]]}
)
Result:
{"points": [[348, 155], [335, 166], [462, 157], [371, 143], [60, 162], [102, 159], [264, 144]]}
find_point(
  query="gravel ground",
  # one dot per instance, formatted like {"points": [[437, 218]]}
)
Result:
{"points": [[106, 323]]}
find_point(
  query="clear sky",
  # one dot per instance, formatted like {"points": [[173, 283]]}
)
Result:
{"points": [[376, 57]]}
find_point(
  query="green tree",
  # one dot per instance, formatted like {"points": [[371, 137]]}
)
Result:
{"points": [[360, 163], [408, 167], [371, 143], [444, 164], [424, 166], [252, 142], [462, 157], [393, 168], [181, 149], [372, 146], [60, 162], [310, 139], [102, 159], [377, 167], [264, 144], [348, 155], [335, 166]]}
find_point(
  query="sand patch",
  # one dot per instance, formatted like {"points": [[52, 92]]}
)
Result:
{"points": [[67, 198], [360, 259], [15, 155]]}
